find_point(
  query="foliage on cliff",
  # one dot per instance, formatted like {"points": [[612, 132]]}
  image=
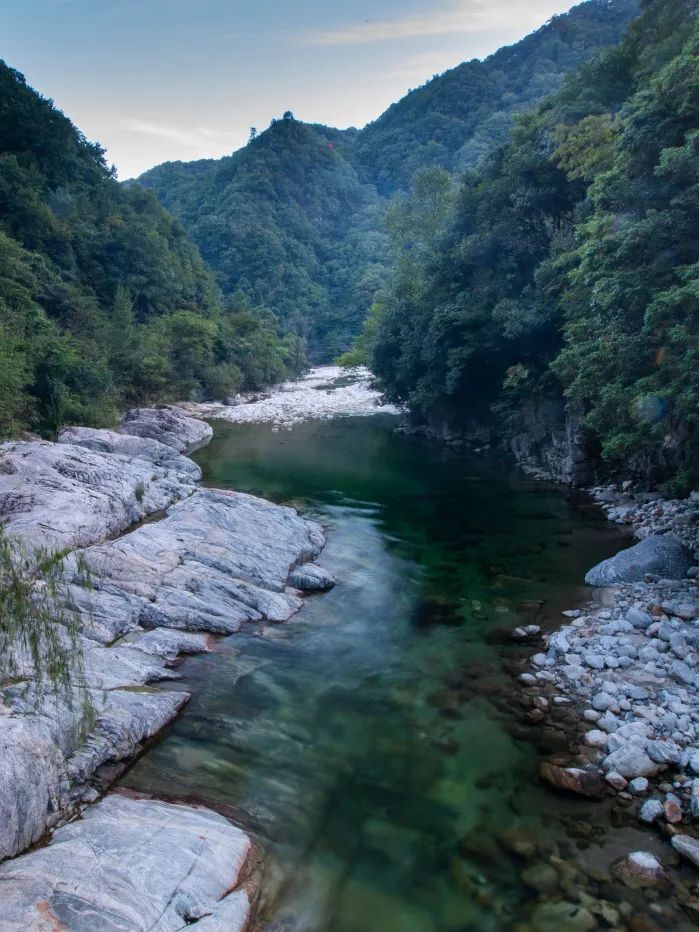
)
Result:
{"points": [[103, 298], [569, 264], [39, 627]]}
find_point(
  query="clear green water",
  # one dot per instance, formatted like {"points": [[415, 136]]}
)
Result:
{"points": [[372, 742]]}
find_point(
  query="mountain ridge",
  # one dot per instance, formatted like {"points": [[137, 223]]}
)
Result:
{"points": [[313, 249]]}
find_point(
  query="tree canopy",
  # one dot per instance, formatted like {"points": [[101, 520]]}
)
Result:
{"points": [[296, 219], [568, 263], [104, 299]]}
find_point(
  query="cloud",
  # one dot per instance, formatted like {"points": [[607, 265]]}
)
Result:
{"points": [[194, 137], [467, 17]]}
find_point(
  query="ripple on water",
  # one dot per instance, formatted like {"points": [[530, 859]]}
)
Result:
{"points": [[373, 742]]}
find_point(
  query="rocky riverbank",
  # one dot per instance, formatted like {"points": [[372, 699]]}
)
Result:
{"points": [[325, 392], [629, 661], [154, 565]]}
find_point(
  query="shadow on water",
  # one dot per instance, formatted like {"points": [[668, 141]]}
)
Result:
{"points": [[371, 742]]}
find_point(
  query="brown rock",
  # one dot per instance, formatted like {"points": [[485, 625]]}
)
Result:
{"points": [[640, 869], [589, 783], [673, 810]]}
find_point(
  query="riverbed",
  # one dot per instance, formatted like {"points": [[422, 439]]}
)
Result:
{"points": [[373, 742]]}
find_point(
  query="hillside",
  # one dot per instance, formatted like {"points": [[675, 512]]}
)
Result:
{"points": [[565, 271], [294, 220], [288, 222], [104, 300], [459, 116]]}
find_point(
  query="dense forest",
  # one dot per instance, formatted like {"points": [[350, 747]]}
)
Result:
{"points": [[566, 266], [522, 231], [288, 222], [104, 300], [295, 220]]}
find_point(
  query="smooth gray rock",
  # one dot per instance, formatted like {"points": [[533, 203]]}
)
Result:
{"points": [[168, 644], [631, 760], [687, 846], [135, 864], [639, 785], [42, 756], [171, 426], [231, 914], [60, 496], [143, 448], [639, 619], [311, 578], [658, 555], [217, 560], [651, 810], [663, 752]]}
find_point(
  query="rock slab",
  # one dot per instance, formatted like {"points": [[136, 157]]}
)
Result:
{"points": [[130, 864]]}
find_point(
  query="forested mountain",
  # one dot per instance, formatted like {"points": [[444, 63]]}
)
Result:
{"points": [[104, 300], [294, 220], [288, 222], [566, 266], [461, 115]]}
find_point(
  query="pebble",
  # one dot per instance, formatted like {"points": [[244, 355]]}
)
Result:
{"points": [[617, 781], [596, 739], [651, 810], [673, 809]]}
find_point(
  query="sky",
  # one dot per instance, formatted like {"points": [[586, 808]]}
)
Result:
{"points": [[164, 80]]}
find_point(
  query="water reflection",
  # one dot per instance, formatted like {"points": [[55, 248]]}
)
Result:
{"points": [[370, 742]]}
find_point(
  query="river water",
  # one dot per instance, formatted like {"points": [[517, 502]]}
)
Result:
{"points": [[372, 742]]}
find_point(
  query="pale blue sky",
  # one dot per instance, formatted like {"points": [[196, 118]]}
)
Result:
{"points": [[155, 80]]}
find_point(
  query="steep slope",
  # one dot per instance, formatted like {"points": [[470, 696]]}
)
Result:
{"points": [[104, 300], [287, 221], [459, 116], [564, 274], [294, 220]]}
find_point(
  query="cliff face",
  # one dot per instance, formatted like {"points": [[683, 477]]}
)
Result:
{"points": [[547, 441], [551, 442]]}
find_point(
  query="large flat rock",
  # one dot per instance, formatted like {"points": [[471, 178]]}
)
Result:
{"points": [[171, 426], [45, 764], [134, 447], [130, 864], [214, 561], [657, 555], [217, 560], [59, 496]]}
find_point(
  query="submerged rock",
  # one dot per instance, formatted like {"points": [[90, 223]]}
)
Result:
{"points": [[562, 917], [134, 864], [574, 780], [661, 556], [640, 869]]}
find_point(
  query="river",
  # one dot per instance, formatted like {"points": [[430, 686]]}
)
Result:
{"points": [[374, 743]]}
